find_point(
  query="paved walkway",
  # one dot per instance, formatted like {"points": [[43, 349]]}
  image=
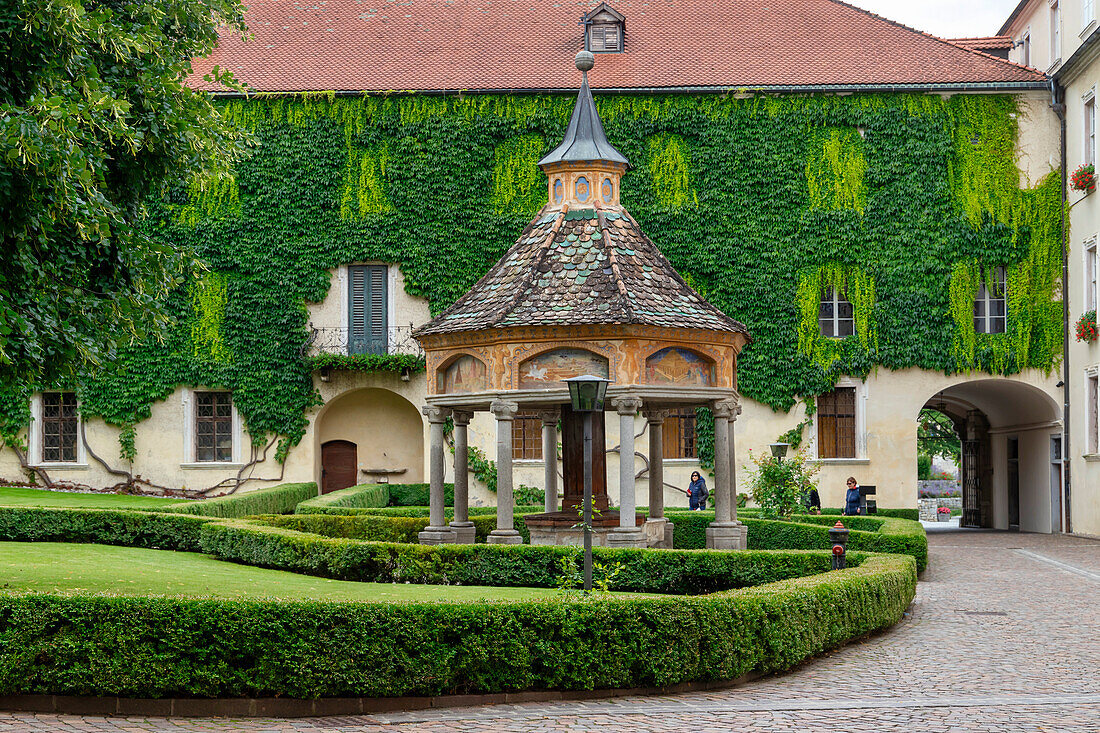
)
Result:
{"points": [[1004, 635]]}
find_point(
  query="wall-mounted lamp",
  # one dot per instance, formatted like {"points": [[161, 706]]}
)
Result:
{"points": [[779, 450]]}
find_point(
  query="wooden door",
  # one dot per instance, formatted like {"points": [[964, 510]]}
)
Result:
{"points": [[339, 465], [572, 448]]}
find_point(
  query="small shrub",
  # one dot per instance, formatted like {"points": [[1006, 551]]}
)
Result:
{"points": [[778, 485]]}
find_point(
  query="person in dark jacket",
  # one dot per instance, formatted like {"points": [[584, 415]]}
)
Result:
{"points": [[697, 492], [813, 502], [851, 497]]}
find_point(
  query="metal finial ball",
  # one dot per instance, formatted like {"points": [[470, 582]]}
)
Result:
{"points": [[585, 60]]}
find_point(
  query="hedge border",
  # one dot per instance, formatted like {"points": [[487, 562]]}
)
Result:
{"points": [[102, 645]]}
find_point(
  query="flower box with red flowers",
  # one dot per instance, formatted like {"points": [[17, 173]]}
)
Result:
{"points": [[1083, 179], [1086, 327], [943, 514]]}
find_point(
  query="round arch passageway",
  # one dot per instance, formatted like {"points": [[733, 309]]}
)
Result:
{"points": [[377, 430], [1010, 472]]}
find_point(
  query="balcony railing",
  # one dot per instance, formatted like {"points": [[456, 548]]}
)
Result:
{"points": [[333, 340]]}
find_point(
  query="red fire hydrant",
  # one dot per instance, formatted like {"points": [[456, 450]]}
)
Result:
{"points": [[838, 534]]}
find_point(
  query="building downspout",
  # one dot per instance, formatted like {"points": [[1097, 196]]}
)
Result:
{"points": [[1057, 103]]}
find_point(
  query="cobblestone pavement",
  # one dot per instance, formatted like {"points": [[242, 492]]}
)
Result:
{"points": [[1004, 635]]}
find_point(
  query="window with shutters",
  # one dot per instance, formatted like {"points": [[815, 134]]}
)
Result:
{"points": [[213, 427], [989, 305], [1092, 410], [678, 434], [1092, 269], [835, 316], [527, 436], [59, 426], [604, 38], [836, 423], [368, 309]]}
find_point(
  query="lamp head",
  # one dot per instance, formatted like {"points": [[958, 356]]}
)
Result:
{"points": [[779, 449], [587, 393]]}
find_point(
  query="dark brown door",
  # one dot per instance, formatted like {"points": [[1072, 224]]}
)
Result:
{"points": [[572, 441], [339, 465]]}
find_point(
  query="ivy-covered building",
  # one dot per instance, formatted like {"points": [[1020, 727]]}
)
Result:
{"points": [[879, 207]]}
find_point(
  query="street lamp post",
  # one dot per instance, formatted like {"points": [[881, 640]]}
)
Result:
{"points": [[587, 394]]}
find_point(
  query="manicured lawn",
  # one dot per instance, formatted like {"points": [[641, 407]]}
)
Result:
{"points": [[69, 568], [10, 496]]}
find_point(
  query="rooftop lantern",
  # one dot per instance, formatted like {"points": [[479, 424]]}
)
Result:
{"points": [[582, 314]]}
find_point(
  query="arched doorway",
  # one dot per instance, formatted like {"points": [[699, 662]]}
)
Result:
{"points": [[379, 432], [339, 465], [1010, 458]]}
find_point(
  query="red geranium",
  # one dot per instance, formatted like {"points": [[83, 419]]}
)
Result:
{"points": [[1083, 179], [1086, 327]]}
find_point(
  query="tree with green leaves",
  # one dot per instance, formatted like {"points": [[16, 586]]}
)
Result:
{"points": [[95, 119], [936, 436]]}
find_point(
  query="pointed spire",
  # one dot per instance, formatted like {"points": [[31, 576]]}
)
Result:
{"points": [[585, 140]]}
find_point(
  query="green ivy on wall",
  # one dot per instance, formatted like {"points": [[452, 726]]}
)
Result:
{"points": [[759, 201]]}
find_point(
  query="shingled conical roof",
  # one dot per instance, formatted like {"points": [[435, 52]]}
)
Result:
{"points": [[581, 267]]}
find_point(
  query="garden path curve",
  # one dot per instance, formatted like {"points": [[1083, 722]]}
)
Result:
{"points": [[1004, 635]]}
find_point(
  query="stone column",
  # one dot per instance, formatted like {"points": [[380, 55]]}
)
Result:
{"points": [[724, 533], [658, 529], [437, 532], [627, 533], [505, 533], [550, 458], [461, 524]]}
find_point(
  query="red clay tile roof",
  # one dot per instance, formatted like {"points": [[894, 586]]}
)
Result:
{"points": [[482, 45], [983, 43]]}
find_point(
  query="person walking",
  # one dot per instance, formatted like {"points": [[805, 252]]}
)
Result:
{"points": [[697, 492], [851, 497]]}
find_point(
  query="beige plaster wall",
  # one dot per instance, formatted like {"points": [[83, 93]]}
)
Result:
{"points": [[1084, 227], [387, 429], [1037, 139]]}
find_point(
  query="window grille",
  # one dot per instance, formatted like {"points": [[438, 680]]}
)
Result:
{"points": [[678, 434], [836, 423], [213, 427], [59, 427], [527, 436]]}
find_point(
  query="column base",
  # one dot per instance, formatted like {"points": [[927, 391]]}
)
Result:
{"points": [[504, 537], [658, 533], [727, 536], [437, 536], [626, 537], [464, 532]]}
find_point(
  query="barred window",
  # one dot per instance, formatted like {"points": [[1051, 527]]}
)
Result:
{"points": [[836, 423], [213, 427], [678, 434], [527, 436], [59, 427]]}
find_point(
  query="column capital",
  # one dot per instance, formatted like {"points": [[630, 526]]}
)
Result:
{"points": [[550, 417], [655, 415], [462, 417], [436, 414], [727, 409], [627, 405], [504, 409]]}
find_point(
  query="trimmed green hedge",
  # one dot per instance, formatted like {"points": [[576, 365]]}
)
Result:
{"points": [[418, 494], [158, 530], [163, 647], [371, 496], [645, 571], [911, 514], [383, 527], [810, 532], [279, 499]]}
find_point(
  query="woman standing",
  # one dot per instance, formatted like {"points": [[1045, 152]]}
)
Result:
{"points": [[697, 492], [851, 497]]}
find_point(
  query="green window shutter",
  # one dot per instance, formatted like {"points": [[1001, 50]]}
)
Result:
{"points": [[368, 317]]}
